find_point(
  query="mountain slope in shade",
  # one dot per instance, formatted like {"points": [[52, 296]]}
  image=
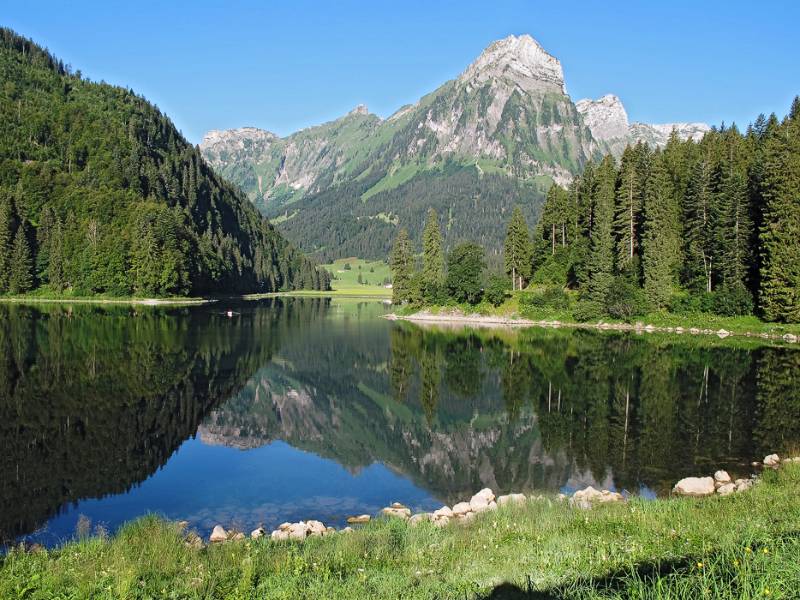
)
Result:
{"points": [[506, 116]]}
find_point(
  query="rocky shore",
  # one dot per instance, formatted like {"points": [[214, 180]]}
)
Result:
{"points": [[456, 317], [719, 484]]}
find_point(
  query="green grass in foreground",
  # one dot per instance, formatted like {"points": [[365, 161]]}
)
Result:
{"points": [[741, 546]]}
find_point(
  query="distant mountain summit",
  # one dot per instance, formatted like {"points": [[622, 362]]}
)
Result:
{"points": [[607, 119], [497, 134]]}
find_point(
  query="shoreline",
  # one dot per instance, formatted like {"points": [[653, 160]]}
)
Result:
{"points": [[454, 318], [740, 534], [134, 301]]}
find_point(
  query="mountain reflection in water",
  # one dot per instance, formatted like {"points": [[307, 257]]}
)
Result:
{"points": [[313, 408]]}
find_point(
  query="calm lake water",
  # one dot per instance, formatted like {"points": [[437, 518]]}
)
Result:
{"points": [[318, 408]]}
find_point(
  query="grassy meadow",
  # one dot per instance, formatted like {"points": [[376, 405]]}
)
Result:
{"points": [[373, 274], [740, 546]]}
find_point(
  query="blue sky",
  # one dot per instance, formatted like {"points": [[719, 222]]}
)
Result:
{"points": [[287, 65]]}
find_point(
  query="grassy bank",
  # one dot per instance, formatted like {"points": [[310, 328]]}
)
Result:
{"points": [[516, 308], [741, 546]]}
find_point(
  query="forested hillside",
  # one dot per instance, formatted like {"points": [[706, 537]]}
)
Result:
{"points": [[712, 226], [473, 205], [100, 194]]}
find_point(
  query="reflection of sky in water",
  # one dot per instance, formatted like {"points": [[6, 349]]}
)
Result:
{"points": [[207, 485]]}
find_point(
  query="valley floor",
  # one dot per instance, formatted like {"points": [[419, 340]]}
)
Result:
{"points": [[740, 546]]}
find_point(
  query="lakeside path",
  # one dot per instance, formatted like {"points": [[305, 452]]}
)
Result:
{"points": [[455, 318]]}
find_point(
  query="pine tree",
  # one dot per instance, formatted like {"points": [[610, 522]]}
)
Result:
{"points": [[661, 238], [518, 252], [698, 214], [55, 264], [432, 257], [628, 210], [401, 262], [601, 257], [780, 228], [21, 274], [6, 241]]}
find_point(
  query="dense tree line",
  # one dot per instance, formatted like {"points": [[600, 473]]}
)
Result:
{"points": [[99, 193], [460, 277], [706, 226]]}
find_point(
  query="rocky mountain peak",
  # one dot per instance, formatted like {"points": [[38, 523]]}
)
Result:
{"points": [[360, 109], [520, 59], [236, 137], [605, 117]]}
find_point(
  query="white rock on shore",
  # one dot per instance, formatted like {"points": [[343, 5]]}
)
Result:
{"points": [[511, 499], [773, 460], [589, 496], [695, 486], [218, 534], [397, 510], [722, 477]]}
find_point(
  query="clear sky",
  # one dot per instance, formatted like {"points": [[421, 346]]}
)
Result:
{"points": [[286, 65]]}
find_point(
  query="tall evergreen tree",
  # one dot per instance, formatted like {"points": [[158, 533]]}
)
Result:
{"points": [[21, 274], [55, 263], [661, 238], [518, 252], [698, 215], [401, 261], [6, 240], [432, 257], [628, 210], [601, 257], [780, 229]]}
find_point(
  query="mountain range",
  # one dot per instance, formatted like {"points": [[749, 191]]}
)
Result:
{"points": [[498, 135]]}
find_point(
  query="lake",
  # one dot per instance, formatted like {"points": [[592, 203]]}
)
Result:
{"points": [[317, 408]]}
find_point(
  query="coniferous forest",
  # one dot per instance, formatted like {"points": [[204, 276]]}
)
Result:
{"points": [[696, 227], [101, 194], [712, 226]]}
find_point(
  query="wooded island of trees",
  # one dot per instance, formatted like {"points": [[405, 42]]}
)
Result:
{"points": [[696, 227], [101, 194]]}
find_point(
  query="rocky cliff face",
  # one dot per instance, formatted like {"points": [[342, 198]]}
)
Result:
{"points": [[608, 121]]}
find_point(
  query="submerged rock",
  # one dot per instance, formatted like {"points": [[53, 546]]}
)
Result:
{"points": [[695, 486], [397, 510], [358, 520]]}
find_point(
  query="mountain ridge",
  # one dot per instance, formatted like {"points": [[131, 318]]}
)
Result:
{"points": [[507, 114]]}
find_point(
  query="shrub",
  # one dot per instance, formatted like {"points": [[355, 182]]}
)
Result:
{"points": [[685, 303], [625, 299], [587, 310], [496, 290], [732, 301], [553, 297]]}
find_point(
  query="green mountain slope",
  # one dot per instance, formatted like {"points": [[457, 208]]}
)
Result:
{"points": [[495, 136], [100, 194]]}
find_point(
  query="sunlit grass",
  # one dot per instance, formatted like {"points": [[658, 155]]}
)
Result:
{"points": [[741, 546]]}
